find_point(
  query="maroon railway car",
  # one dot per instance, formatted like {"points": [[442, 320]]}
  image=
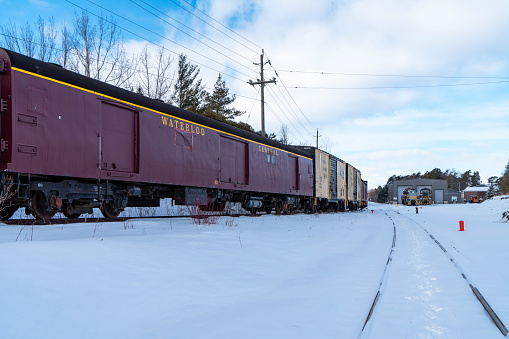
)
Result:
{"points": [[71, 143]]}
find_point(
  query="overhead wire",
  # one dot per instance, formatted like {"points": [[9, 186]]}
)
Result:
{"points": [[161, 36], [169, 23], [192, 29], [400, 87], [282, 111], [157, 34], [282, 123], [117, 67], [291, 111], [228, 28], [254, 102], [291, 97], [394, 75]]}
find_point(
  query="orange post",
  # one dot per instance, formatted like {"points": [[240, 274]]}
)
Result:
{"points": [[462, 225]]}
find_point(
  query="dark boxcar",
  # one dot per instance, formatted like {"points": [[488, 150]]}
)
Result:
{"points": [[354, 189], [364, 194], [71, 143]]}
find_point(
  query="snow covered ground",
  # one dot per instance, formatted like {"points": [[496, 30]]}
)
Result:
{"points": [[298, 276]]}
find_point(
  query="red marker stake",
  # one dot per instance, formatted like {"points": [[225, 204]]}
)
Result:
{"points": [[462, 225]]}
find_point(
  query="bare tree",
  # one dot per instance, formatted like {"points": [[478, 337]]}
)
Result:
{"points": [[123, 72], [65, 57], [36, 44], [10, 37], [283, 132], [28, 41], [156, 80], [47, 39], [84, 39], [326, 144], [108, 49]]}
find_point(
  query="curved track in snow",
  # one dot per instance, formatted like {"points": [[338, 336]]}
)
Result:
{"points": [[426, 277]]}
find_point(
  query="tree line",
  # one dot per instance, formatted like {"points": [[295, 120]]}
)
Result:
{"points": [[95, 48]]}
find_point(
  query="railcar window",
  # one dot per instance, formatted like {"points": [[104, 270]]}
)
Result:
{"points": [[268, 158], [273, 159]]}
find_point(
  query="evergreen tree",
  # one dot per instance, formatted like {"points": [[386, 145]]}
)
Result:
{"points": [[476, 179], [434, 174], [503, 181], [494, 189], [188, 91], [219, 100], [466, 180], [383, 194]]}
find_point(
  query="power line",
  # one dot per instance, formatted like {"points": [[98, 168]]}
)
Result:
{"points": [[289, 120], [135, 34], [291, 111], [254, 102], [293, 117], [191, 35], [228, 28], [395, 75], [289, 130], [399, 87], [113, 65], [287, 91]]}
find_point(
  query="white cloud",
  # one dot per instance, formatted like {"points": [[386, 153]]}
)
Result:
{"points": [[380, 131], [389, 131]]}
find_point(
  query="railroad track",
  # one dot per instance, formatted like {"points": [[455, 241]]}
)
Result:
{"points": [[60, 221], [491, 313]]}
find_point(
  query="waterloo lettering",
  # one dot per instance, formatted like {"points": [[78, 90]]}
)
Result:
{"points": [[267, 150], [183, 126]]}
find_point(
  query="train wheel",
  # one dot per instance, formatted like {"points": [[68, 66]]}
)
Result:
{"points": [[279, 207], [8, 212], [38, 206], [109, 210], [67, 212]]}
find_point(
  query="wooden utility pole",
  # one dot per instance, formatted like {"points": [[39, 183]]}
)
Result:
{"points": [[317, 137], [262, 83]]}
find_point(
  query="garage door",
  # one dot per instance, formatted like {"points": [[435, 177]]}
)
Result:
{"points": [[439, 196]]}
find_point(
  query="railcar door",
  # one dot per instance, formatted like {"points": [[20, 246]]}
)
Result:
{"points": [[293, 173], [233, 158], [119, 142], [333, 178]]}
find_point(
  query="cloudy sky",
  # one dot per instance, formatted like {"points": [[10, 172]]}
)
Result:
{"points": [[393, 86]]}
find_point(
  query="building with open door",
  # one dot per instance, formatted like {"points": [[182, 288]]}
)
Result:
{"points": [[440, 194]]}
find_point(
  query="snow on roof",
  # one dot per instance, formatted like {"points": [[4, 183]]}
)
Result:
{"points": [[476, 189]]}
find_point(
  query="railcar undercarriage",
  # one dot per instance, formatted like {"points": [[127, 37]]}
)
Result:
{"points": [[44, 196]]}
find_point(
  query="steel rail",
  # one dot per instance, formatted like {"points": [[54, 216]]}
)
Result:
{"points": [[500, 325], [383, 278], [60, 221]]}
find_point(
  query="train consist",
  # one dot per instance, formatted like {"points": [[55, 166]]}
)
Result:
{"points": [[69, 143]]}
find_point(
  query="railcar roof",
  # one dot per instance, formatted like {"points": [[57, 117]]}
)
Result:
{"points": [[58, 73]]}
